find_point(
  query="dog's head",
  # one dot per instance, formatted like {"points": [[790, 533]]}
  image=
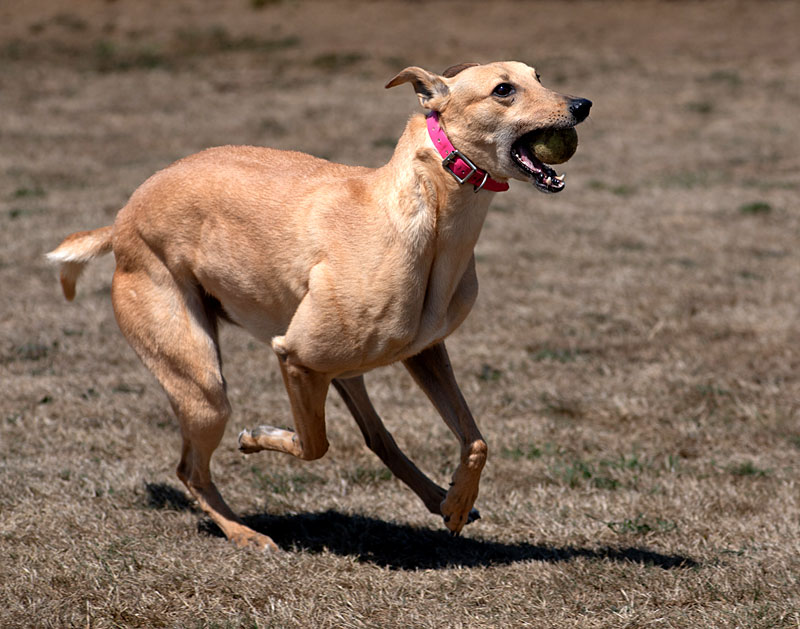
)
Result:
{"points": [[489, 112]]}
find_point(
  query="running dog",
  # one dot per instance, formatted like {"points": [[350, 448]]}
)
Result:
{"points": [[340, 269]]}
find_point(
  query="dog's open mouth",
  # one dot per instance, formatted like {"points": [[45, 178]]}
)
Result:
{"points": [[543, 177]]}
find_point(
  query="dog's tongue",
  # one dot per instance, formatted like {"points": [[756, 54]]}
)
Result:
{"points": [[526, 156], [544, 177]]}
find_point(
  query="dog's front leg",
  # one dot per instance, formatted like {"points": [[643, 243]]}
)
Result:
{"points": [[432, 371], [307, 391], [381, 442]]}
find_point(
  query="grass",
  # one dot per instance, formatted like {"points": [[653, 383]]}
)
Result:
{"points": [[385, 142], [30, 351], [642, 526], [620, 190], [217, 39], [725, 76], [260, 4], [530, 452], [105, 48], [608, 474], [25, 192], [489, 373], [284, 484], [110, 57], [700, 107], [337, 61], [632, 358], [755, 207], [561, 355], [747, 468]]}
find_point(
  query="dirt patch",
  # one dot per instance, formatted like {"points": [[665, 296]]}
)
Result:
{"points": [[632, 358]]}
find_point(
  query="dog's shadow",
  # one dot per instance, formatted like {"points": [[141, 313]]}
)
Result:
{"points": [[403, 547]]}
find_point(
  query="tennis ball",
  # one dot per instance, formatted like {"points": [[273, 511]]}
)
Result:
{"points": [[554, 146]]}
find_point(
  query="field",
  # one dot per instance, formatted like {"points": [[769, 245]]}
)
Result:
{"points": [[633, 359]]}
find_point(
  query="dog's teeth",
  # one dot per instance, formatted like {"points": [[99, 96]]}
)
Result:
{"points": [[561, 177]]}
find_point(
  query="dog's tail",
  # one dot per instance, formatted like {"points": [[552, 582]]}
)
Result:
{"points": [[76, 252]]}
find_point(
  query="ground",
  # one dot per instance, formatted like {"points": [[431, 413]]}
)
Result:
{"points": [[632, 358]]}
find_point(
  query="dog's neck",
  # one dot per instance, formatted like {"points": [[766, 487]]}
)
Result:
{"points": [[458, 164], [432, 224], [432, 207], [420, 179]]}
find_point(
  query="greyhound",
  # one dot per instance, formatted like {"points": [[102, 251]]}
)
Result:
{"points": [[340, 269]]}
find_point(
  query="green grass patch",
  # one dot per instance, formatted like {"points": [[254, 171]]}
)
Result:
{"points": [[623, 462], [700, 107], [686, 263], [747, 468], [746, 274], [641, 526], [110, 57], [25, 192], [731, 78], [13, 50], [284, 483], [688, 179], [562, 406], [385, 143], [337, 61], [30, 352], [124, 387], [712, 391], [613, 473], [621, 190], [193, 41], [368, 475], [187, 43], [555, 354], [23, 212], [755, 207], [531, 452], [580, 473], [70, 22], [273, 127], [489, 373]]}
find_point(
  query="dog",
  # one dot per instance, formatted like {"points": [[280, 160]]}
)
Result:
{"points": [[341, 269]]}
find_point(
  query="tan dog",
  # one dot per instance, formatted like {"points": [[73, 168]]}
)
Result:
{"points": [[342, 269]]}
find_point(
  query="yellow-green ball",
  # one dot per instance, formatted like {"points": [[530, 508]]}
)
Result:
{"points": [[554, 146]]}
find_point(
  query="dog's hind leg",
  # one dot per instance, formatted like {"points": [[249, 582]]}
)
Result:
{"points": [[432, 371], [381, 442], [174, 332]]}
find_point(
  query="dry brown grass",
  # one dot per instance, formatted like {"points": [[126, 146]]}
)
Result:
{"points": [[633, 357]]}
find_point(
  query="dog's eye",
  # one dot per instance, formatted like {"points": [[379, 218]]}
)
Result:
{"points": [[504, 89]]}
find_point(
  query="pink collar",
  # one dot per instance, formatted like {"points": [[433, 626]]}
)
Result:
{"points": [[456, 163]]}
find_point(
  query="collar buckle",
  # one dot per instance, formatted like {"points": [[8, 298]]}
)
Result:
{"points": [[451, 158]]}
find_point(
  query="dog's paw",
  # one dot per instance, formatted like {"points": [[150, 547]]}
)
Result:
{"points": [[457, 511], [248, 538], [247, 442], [473, 516]]}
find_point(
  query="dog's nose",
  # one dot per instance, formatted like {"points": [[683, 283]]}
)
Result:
{"points": [[580, 108]]}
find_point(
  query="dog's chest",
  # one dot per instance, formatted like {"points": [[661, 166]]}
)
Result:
{"points": [[450, 285]]}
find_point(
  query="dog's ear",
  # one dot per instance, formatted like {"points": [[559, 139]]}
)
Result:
{"points": [[453, 70], [431, 90]]}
